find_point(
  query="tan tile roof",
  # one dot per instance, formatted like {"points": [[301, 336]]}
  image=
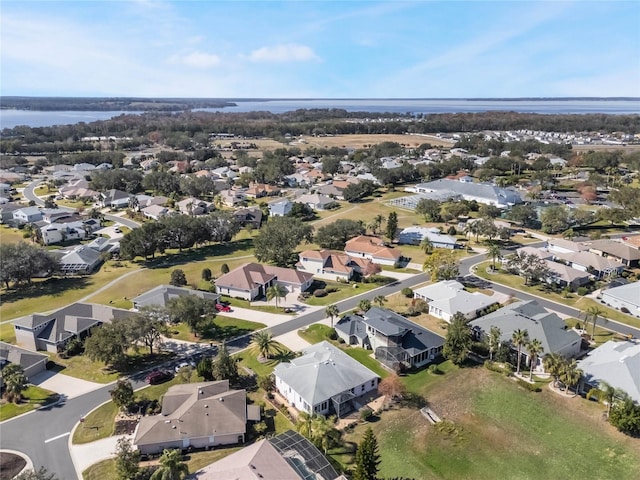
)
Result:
{"points": [[250, 275], [372, 246]]}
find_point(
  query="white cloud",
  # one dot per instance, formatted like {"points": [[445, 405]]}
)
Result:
{"points": [[289, 52], [196, 60]]}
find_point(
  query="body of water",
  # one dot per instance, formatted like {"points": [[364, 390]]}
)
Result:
{"points": [[10, 118]]}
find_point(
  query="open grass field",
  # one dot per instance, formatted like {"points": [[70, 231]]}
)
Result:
{"points": [[49, 294], [32, 398], [496, 429], [365, 140], [11, 235]]}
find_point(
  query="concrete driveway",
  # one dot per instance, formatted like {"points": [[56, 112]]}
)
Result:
{"points": [[269, 319], [294, 342], [65, 385], [110, 232]]}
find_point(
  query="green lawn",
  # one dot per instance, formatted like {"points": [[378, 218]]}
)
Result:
{"points": [[574, 300], [315, 333], [240, 303], [11, 235], [344, 291], [104, 470], [33, 397], [248, 358], [7, 333], [499, 430], [97, 425], [49, 294], [365, 358], [223, 328]]}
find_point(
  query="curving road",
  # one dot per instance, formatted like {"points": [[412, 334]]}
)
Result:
{"points": [[30, 195], [44, 435]]}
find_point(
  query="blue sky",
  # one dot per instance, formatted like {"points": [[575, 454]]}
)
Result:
{"points": [[330, 49]]}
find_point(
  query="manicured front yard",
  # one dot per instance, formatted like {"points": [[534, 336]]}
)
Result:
{"points": [[33, 397], [315, 333], [103, 470], [499, 430], [344, 291], [97, 425], [223, 328]]}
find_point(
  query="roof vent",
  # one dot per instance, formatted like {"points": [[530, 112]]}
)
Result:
{"points": [[167, 421], [206, 406], [173, 426], [221, 399]]}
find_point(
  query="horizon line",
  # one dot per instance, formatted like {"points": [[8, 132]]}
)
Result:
{"points": [[248, 99]]}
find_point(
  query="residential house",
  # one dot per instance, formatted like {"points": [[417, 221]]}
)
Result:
{"points": [[6, 212], [598, 266], [194, 206], [449, 297], [288, 456], [5, 190], [480, 192], [416, 235], [196, 415], [78, 193], [617, 364], [251, 280], [560, 245], [395, 340], [566, 276], [616, 250], [333, 265], [231, 198], [331, 191], [162, 294], [251, 216], [547, 327], [260, 190], [114, 199], [79, 260], [148, 200], [280, 208], [625, 298], [31, 362], [52, 331], [155, 212], [103, 244], [27, 215], [57, 233], [374, 249], [316, 201], [324, 380]]}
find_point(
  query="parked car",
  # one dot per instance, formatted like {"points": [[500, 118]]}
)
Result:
{"points": [[158, 377], [184, 364], [221, 307], [117, 230]]}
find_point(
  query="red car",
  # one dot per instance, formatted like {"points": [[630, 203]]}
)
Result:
{"points": [[221, 307], [158, 377]]}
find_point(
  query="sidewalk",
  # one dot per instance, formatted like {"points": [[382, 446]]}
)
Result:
{"points": [[87, 454], [68, 387]]}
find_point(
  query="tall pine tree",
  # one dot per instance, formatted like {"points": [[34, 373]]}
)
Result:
{"points": [[392, 226], [367, 458], [224, 367]]}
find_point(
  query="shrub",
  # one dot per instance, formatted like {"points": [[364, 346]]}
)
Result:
{"points": [[333, 335], [206, 274], [433, 368], [407, 292], [480, 348], [452, 230], [321, 292], [224, 268], [532, 387], [365, 413], [624, 310], [582, 291], [331, 289]]}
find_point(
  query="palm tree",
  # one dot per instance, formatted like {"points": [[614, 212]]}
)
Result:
{"points": [[609, 394], [264, 343], [493, 252], [276, 291], [304, 423], [494, 341], [534, 347], [426, 245], [364, 305], [378, 220], [591, 315], [569, 234], [332, 311], [15, 382], [571, 375], [379, 300], [323, 433], [554, 364], [171, 466], [519, 338]]}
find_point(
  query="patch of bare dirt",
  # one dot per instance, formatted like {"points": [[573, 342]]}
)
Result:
{"points": [[10, 465]]}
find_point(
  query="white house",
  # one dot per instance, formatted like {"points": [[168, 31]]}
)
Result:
{"points": [[62, 232], [324, 380], [625, 298], [416, 235], [449, 297], [27, 215], [280, 208], [480, 192]]}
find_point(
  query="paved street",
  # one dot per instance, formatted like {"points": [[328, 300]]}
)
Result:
{"points": [[44, 435]]}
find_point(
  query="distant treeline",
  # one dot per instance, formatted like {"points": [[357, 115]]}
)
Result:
{"points": [[110, 104], [185, 130]]}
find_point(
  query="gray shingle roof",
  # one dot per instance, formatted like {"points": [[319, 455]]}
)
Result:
{"points": [[161, 295], [322, 372], [546, 326], [617, 363]]}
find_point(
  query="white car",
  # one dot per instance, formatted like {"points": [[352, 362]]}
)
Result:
{"points": [[117, 230], [184, 364]]}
